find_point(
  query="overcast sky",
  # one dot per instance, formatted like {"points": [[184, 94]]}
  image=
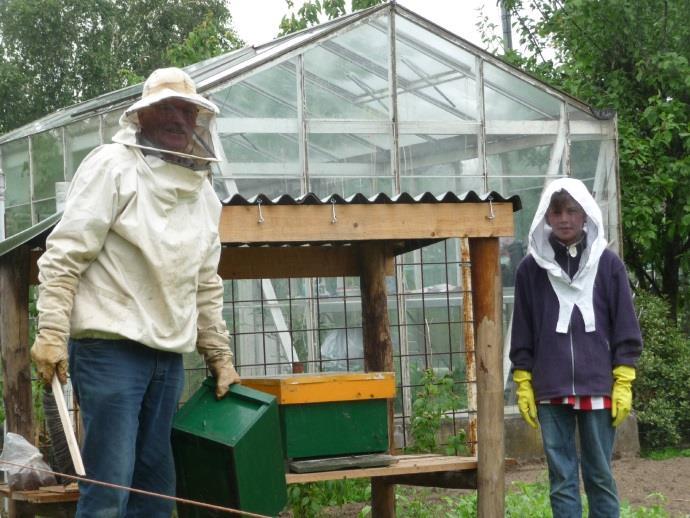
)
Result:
{"points": [[256, 21]]}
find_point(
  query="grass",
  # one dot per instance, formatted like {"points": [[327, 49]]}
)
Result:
{"points": [[523, 499], [666, 453]]}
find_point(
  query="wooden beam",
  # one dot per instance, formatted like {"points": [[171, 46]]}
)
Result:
{"points": [[415, 465], [465, 479], [378, 346], [292, 262], [486, 284], [363, 222], [14, 341], [378, 351]]}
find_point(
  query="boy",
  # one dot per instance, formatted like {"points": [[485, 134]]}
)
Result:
{"points": [[575, 341]]}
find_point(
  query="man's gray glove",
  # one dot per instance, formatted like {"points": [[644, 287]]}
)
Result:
{"points": [[215, 349], [49, 354]]}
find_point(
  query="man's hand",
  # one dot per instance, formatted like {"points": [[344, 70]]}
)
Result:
{"points": [[49, 354], [621, 394], [222, 369], [525, 395]]}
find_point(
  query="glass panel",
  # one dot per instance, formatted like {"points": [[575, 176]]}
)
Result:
{"points": [[439, 155], [507, 97], [529, 190], [325, 186], [594, 162], [15, 166], [346, 77], [82, 137], [44, 209], [46, 151], [248, 187], [17, 219], [512, 250], [111, 125], [523, 155], [256, 144], [416, 185], [436, 79], [337, 154], [261, 154], [270, 93]]}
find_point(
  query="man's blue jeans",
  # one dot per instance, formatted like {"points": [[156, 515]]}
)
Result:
{"points": [[558, 423], [128, 395]]}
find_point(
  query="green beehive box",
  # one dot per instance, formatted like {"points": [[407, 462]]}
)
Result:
{"points": [[331, 414], [228, 452]]}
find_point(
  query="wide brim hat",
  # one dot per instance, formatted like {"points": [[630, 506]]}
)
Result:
{"points": [[170, 83]]}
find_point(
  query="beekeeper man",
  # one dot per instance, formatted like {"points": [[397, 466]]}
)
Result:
{"points": [[575, 341], [128, 283]]}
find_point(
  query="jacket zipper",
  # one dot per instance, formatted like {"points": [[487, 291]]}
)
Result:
{"points": [[572, 357], [570, 331]]}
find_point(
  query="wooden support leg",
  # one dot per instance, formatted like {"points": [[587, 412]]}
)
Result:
{"points": [[486, 285], [14, 341], [382, 498], [378, 352]]}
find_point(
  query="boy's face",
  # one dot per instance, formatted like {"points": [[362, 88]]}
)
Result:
{"points": [[567, 220]]}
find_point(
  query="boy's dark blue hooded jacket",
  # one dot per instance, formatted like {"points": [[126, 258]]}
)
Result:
{"points": [[601, 330]]}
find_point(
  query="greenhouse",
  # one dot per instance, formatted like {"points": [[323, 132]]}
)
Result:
{"points": [[379, 101]]}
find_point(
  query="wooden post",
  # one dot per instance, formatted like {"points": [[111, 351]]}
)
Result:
{"points": [[487, 297], [14, 341], [14, 350], [378, 350]]}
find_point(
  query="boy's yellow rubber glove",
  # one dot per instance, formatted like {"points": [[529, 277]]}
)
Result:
{"points": [[621, 395], [525, 395]]}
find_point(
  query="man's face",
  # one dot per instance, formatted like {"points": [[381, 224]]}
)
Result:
{"points": [[169, 124], [567, 220]]}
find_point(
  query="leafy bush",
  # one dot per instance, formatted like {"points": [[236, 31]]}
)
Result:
{"points": [[430, 409], [308, 500], [662, 388]]}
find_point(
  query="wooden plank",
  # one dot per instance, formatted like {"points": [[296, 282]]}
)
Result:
{"points": [[406, 465], [292, 262], [468, 337], [42, 495], [464, 479], [486, 283], [314, 223], [372, 460], [14, 342]]}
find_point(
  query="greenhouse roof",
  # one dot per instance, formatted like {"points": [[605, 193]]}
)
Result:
{"points": [[211, 72]]}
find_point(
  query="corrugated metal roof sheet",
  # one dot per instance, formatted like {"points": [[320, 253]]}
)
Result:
{"points": [[380, 198]]}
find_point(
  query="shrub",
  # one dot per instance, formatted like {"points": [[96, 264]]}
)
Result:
{"points": [[662, 388], [435, 403]]}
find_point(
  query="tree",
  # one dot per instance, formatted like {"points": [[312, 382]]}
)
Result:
{"points": [[58, 52], [632, 57], [314, 12]]}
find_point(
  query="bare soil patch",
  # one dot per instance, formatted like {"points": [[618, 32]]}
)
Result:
{"points": [[639, 481]]}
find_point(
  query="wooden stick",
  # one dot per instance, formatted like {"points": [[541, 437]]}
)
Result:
{"points": [[67, 427]]}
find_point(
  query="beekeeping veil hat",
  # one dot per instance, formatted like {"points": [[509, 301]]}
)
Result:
{"points": [[577, 291], [167, 84]]}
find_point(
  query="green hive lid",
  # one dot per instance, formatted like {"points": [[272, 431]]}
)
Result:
{"points": [[225, 421]]}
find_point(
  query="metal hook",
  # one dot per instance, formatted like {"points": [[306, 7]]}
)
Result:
{"points": [[491, 209], [334, 219], [261, 216]]}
